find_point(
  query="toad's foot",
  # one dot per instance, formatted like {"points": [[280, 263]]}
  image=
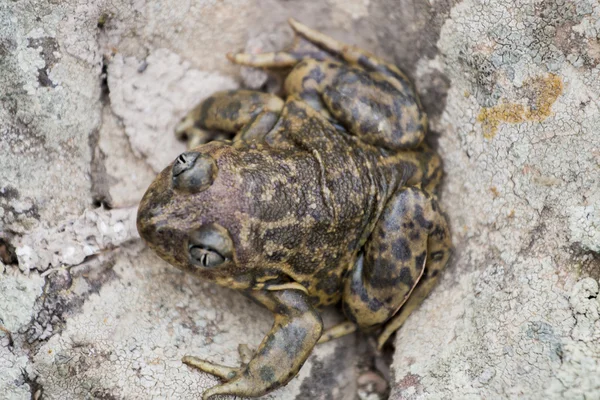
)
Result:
{"points": [[295, 331]]}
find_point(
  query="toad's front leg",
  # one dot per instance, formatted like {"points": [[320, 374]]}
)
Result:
{"points": [[296, 330]]}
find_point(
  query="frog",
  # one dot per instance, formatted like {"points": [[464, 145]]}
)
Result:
{"points": [[324, 195]]}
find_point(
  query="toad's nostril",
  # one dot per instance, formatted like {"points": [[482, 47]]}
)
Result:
{"points": [[193, 172]]}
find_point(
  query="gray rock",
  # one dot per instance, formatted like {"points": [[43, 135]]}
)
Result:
{"points": [[90, 93]]}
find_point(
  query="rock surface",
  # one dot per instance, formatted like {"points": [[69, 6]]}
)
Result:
{"points": [[90, 92], [516, 315]]}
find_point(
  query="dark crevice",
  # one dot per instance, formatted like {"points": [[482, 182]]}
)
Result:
{"points": [[586, 261], [35, 388], [48, 47], [8, 255], [3, 330], [103, 20], [104, 89], [100, 187], [44, 79], [58, 300]]}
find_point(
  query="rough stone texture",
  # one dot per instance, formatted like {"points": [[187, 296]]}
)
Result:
{"points": [[516, 314], [90, 92]]}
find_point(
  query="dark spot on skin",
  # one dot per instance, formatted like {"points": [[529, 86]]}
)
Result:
{"points": [[310, 95], [383, 273], [267, 374], [293, 339], [281, 309], [437, 256], [255, 98], [231, 111], [330, 283], [419, 217], [300, 264], [206, 105], [375, 305], [294, 110], [306, 284], [383, 247], [315, 301], [401, 250], [386, 111], [316, 74], [346, 77], [367, 127], [435, 272], [406, 277], [268, 345], [439, 232]]}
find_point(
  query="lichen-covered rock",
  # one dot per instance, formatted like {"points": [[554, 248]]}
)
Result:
{"points": [[519, 137], [90, 92]]}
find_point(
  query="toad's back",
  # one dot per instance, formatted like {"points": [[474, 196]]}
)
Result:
{"points": [[314, 194]]}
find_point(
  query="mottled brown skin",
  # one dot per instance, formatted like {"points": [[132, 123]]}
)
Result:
{"points": [[327, 196]]}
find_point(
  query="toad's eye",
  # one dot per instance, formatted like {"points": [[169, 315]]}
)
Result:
{"points": [[205, 257], [193, 172], [210, 246]]}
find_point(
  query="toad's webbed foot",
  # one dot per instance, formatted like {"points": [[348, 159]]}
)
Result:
{"points": [[296, 330]]}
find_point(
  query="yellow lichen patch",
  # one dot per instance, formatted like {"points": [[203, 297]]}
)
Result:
{"points": [[540, 93]]}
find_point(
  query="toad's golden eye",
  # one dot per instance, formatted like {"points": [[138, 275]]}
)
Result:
{"points": [[210, 246], [193, 172]]}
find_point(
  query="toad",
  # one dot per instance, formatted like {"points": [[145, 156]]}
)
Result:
{"points": [[325, 196]]}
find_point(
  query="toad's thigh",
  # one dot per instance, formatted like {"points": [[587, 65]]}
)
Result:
{"points": [[374, 109], [368, 104], [410, 233]]}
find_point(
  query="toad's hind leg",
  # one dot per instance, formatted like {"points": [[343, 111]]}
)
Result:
{"points": [[369, 97], [409, 244], [295, 331], [353, 55], [249, 114]]}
